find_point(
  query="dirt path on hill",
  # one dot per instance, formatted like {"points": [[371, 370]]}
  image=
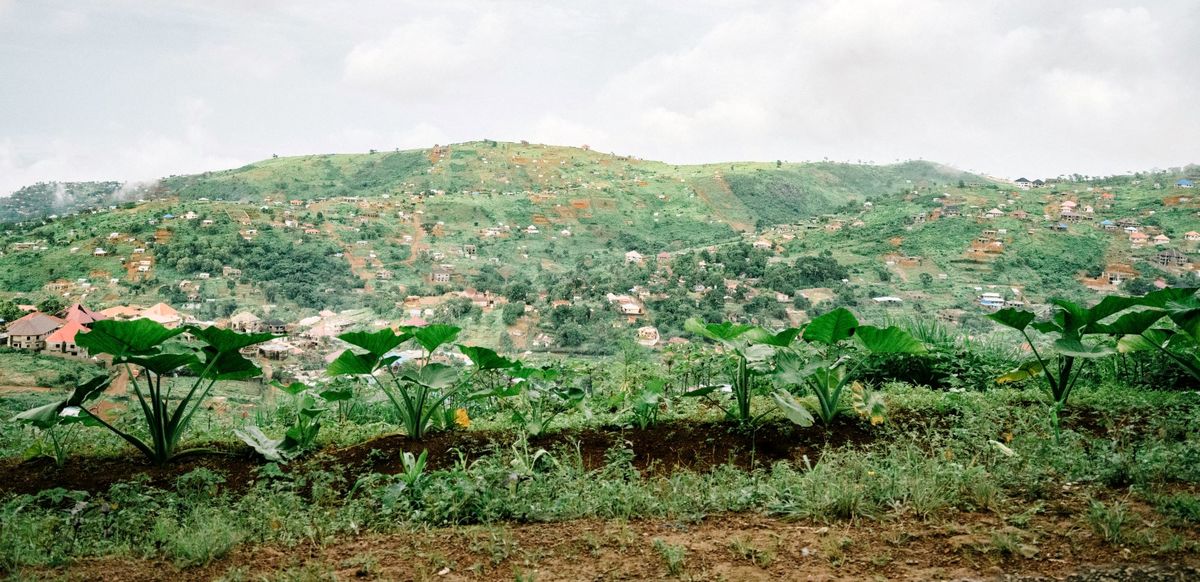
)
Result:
{"points": [[418, 239]]}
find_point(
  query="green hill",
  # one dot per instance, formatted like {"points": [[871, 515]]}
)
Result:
{"points": [[551, 227]]}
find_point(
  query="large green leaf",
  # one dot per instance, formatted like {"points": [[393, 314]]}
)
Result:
{"points": [[1186, 315], [227, 340], [793, 409], [338, 394], [724, 332], [224, 366], [1111, 305], [163, 363], [48, 415], [890, 340], [1073, 347], [377, 343], [352, 364], [432, 337], [433, 375], [294, 388], [271, 449], [832, 327], [1134, 322], [1026, 371], [1162, 298], [1070, 317], [1147, 340], [1017, 319], [125, 338], [782, 339], [485, 359]]}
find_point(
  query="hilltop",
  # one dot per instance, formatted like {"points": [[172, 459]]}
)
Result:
{"points": [[552, 247]]}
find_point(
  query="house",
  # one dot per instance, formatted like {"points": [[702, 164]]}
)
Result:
{"points": [[162, 314], [1185, 183], [1020, 214], [1171, 258], [633, 257], [440, 274], [62, 341], [30, 332], [99, 252], [1108, 225], [246, 322], [81, 314], [383, 275], [648, 336], [275, 326], [1023, 183], [1117, 274], [1068, 205], [993, 213], [121, 312], [228, 271], [991, 300], [1138, 238], [763, 244], [1161, 239], [1192, 235], [949, 210]]}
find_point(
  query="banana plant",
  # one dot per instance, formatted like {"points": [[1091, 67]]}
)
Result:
{"points": [[826, 365], [750, 349], [1180, 343], [141, 344], [418, 395]]}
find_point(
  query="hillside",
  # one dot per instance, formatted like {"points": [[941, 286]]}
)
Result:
{"points": [[542, 246]]}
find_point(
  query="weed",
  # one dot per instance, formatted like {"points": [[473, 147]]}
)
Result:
{"points": [[1110, 522], [674, 556]]}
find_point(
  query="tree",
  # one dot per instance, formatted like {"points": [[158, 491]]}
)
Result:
{"points": [[9, 311], [51, 305], [926, 279]]}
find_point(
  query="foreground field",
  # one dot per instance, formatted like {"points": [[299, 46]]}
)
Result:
{"points": [[932, 494]]}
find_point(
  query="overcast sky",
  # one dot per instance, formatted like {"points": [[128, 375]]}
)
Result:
{"points": [[138, 89]]}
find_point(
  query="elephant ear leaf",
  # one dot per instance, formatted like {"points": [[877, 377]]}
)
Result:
{"points": [[377, 343], [435, 336], [350, 363], [1131, 323], [1073, 347], [271, 449], [1023, 372], [1017, 319], [724, 332], [227, 340], [793, 409], [49, 415], [163, 363], [219, 365], [889, 340], [125, 338], [831, 328], [486, 359]]}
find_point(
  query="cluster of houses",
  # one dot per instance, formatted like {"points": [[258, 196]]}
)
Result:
{"points": [[55, 334]]}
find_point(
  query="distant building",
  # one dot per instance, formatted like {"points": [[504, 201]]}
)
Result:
{"points": [[30, 332]]}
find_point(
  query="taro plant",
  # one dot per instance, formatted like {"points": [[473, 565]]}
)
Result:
{"points": [[307, 407], [140, 344], [420, 394], [646, 403], [826, 363], [1079, 336], [748, 348], [540, 395], [1180, 343], [58, 425]]}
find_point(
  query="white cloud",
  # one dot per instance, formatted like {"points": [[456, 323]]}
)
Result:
{"points": [[427, 56]]}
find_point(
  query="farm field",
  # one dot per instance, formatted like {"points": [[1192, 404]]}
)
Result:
{"points": [[724, 461]]}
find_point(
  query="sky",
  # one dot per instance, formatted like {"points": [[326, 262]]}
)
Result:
{"points": [[139, 89]]}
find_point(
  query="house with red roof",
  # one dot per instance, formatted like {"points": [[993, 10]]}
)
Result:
{"points": [[62, 341]]}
